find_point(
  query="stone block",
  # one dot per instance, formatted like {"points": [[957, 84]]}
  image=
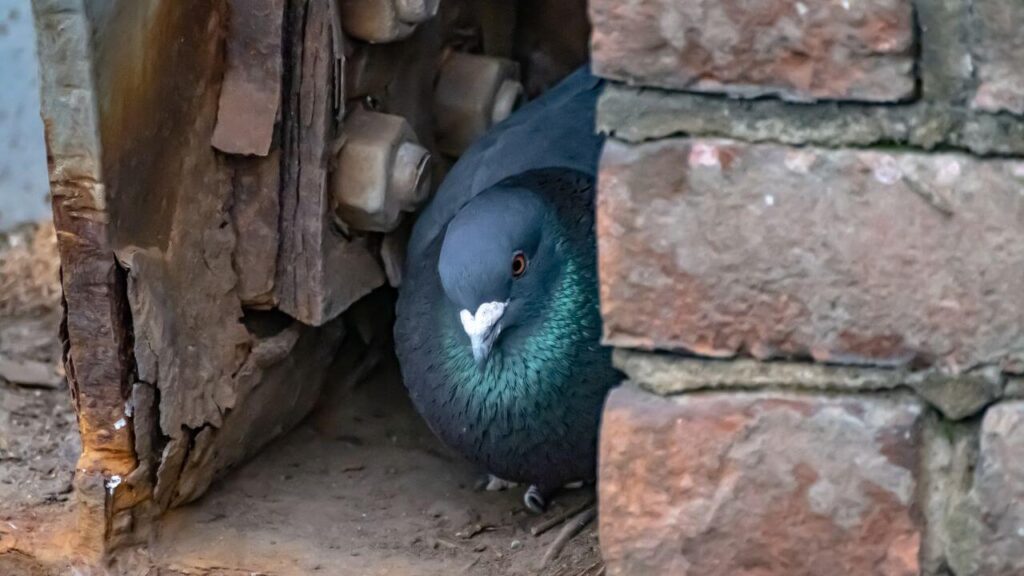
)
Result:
{"points": [[986, 529], [944, 65], [846, 50], [958, 397], [862, 257], [771, 484], [997, 52], [950, 452]]}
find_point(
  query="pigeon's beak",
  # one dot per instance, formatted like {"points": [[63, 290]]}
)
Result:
{"points": [[483, 328]]}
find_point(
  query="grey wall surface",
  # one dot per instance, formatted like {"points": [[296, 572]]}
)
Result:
{"points": [[24, 185]]}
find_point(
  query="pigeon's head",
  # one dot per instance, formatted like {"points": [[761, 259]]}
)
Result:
{"points": [[498, 265]]}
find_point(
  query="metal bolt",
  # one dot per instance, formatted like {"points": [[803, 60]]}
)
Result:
{"points": [[380, 21], [473, 93], [416, 11], [506, 100], [410, 177], [381, 172]]}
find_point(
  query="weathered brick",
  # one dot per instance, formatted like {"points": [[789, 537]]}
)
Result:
{"points": [[986, 531], [765, 484], [997, 50], [846, 50], [846, 256]]}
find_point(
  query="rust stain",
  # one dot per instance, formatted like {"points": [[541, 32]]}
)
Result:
{"points": [[156, 62]]}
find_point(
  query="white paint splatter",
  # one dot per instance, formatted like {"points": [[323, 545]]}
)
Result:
{"points": [[846, 4], [801, 8], [769, 200], [120, 424], [129, 408], [113, 483]]}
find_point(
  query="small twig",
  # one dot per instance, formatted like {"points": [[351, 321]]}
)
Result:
{"points": [[473, 530], [570, 530], [555, 521], [468, 567], [591, 567]]}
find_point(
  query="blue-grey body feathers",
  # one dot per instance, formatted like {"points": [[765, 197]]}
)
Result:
{"points": [[512, 228]]}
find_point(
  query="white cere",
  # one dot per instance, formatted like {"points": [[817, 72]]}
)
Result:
{"points": [[480, 323]]}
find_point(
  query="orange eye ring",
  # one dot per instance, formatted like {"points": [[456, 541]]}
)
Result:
{"points": [[518, 264]]}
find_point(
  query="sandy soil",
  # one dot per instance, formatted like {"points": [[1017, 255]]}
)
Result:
{"points": [[363, 490]]}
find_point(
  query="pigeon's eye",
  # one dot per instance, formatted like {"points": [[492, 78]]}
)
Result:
{"points": [[518, 264]]}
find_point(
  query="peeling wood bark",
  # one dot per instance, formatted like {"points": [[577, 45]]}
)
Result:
{"points": [[95, 330], [251, 92], [320, 273], [279, 384], [255, 214]]}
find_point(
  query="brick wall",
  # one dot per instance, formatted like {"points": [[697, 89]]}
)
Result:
{"points": [[811, 232]]}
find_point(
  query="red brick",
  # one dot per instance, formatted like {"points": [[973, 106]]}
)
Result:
{"points": [[846, 256], [847, 50], [997, 47], [759, 484]]}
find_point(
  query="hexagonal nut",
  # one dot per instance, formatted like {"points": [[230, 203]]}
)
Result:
{"points": [[380, 21], [473, 93], [381, 171], [416, 11]]}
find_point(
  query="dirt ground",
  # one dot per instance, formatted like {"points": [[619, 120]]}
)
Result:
{"points": [[38, 436], [364, 489]]}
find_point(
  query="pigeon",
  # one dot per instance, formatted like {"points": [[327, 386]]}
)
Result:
{"points": [[498, 324]]}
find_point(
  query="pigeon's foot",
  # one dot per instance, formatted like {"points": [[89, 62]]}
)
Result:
{"points": [[535, 499], [492, 483]]}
